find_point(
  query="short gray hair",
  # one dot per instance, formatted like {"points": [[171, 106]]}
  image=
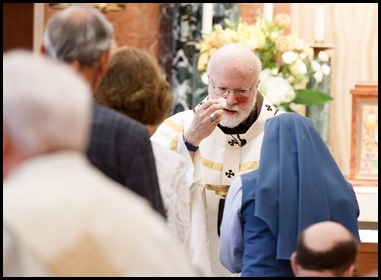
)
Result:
{"points": [[46, 105], [78, 33]]}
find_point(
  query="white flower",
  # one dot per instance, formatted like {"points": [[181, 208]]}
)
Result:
{"points": [[289, 57], [318, 76], [315, 65], [276, 89], [303, 56], [323, 56], [204, 78], [326, 69], [274, 71], [302, 68]]}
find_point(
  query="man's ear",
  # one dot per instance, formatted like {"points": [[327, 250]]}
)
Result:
{"points": [[6, 140], [7, 149], [294, 264], [105, 59], [349, 271], [42, 50]]}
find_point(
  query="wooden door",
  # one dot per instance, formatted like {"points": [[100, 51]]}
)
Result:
{"points": [[17, 26]]}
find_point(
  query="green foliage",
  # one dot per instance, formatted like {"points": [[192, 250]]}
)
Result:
{"points": [[311, 97]]}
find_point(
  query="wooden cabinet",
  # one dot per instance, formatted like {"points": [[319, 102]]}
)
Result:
{"points": [[364, 138]]}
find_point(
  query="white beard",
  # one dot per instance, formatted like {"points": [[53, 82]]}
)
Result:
{"points": [[233, 121], [242, 115]]}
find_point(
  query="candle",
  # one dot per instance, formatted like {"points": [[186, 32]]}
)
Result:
{"points": [[268, 11], [319, 23], [207, 18]]}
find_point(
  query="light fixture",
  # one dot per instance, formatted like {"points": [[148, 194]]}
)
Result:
{"points": [[108, 7], [103, 7]]}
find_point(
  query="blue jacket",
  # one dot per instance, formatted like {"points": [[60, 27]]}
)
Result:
{"points": [[259, 255]]}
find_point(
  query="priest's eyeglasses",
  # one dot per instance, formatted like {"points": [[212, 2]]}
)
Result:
{"points": [[225, 91]]}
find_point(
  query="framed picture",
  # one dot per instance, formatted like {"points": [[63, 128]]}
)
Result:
{"points": [[364, 144]]}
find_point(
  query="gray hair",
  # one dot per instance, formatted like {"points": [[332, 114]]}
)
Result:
{"points": [[46, 105], [78, 33]]}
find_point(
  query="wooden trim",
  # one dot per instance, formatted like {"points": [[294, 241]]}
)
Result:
{"points": [[38, 25]]}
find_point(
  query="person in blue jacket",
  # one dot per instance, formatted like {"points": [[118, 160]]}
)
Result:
{"points": [[297, 184]]}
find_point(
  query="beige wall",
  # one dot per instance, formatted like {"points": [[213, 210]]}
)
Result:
{"points": [[353, 29]]}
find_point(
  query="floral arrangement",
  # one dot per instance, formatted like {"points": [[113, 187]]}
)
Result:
{"points": [[289, 66]]}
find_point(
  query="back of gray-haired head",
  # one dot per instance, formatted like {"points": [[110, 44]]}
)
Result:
{"points": [[78, 33], [46, 105]]}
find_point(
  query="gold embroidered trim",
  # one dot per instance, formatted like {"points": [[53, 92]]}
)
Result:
{"points": [[175, 126], [212, 165], [173, 144], [252, 165]]}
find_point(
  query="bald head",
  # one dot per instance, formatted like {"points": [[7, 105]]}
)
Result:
{"points": [[235, 59], [325, 235], [324, 248]]}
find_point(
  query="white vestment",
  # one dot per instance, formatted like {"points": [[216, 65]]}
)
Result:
{"points": [[62, 217], [175, 181], [219, 159]]}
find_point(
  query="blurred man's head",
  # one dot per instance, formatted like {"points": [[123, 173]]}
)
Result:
{"points": [[46, 108], [325, 249], [82, 37]]}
